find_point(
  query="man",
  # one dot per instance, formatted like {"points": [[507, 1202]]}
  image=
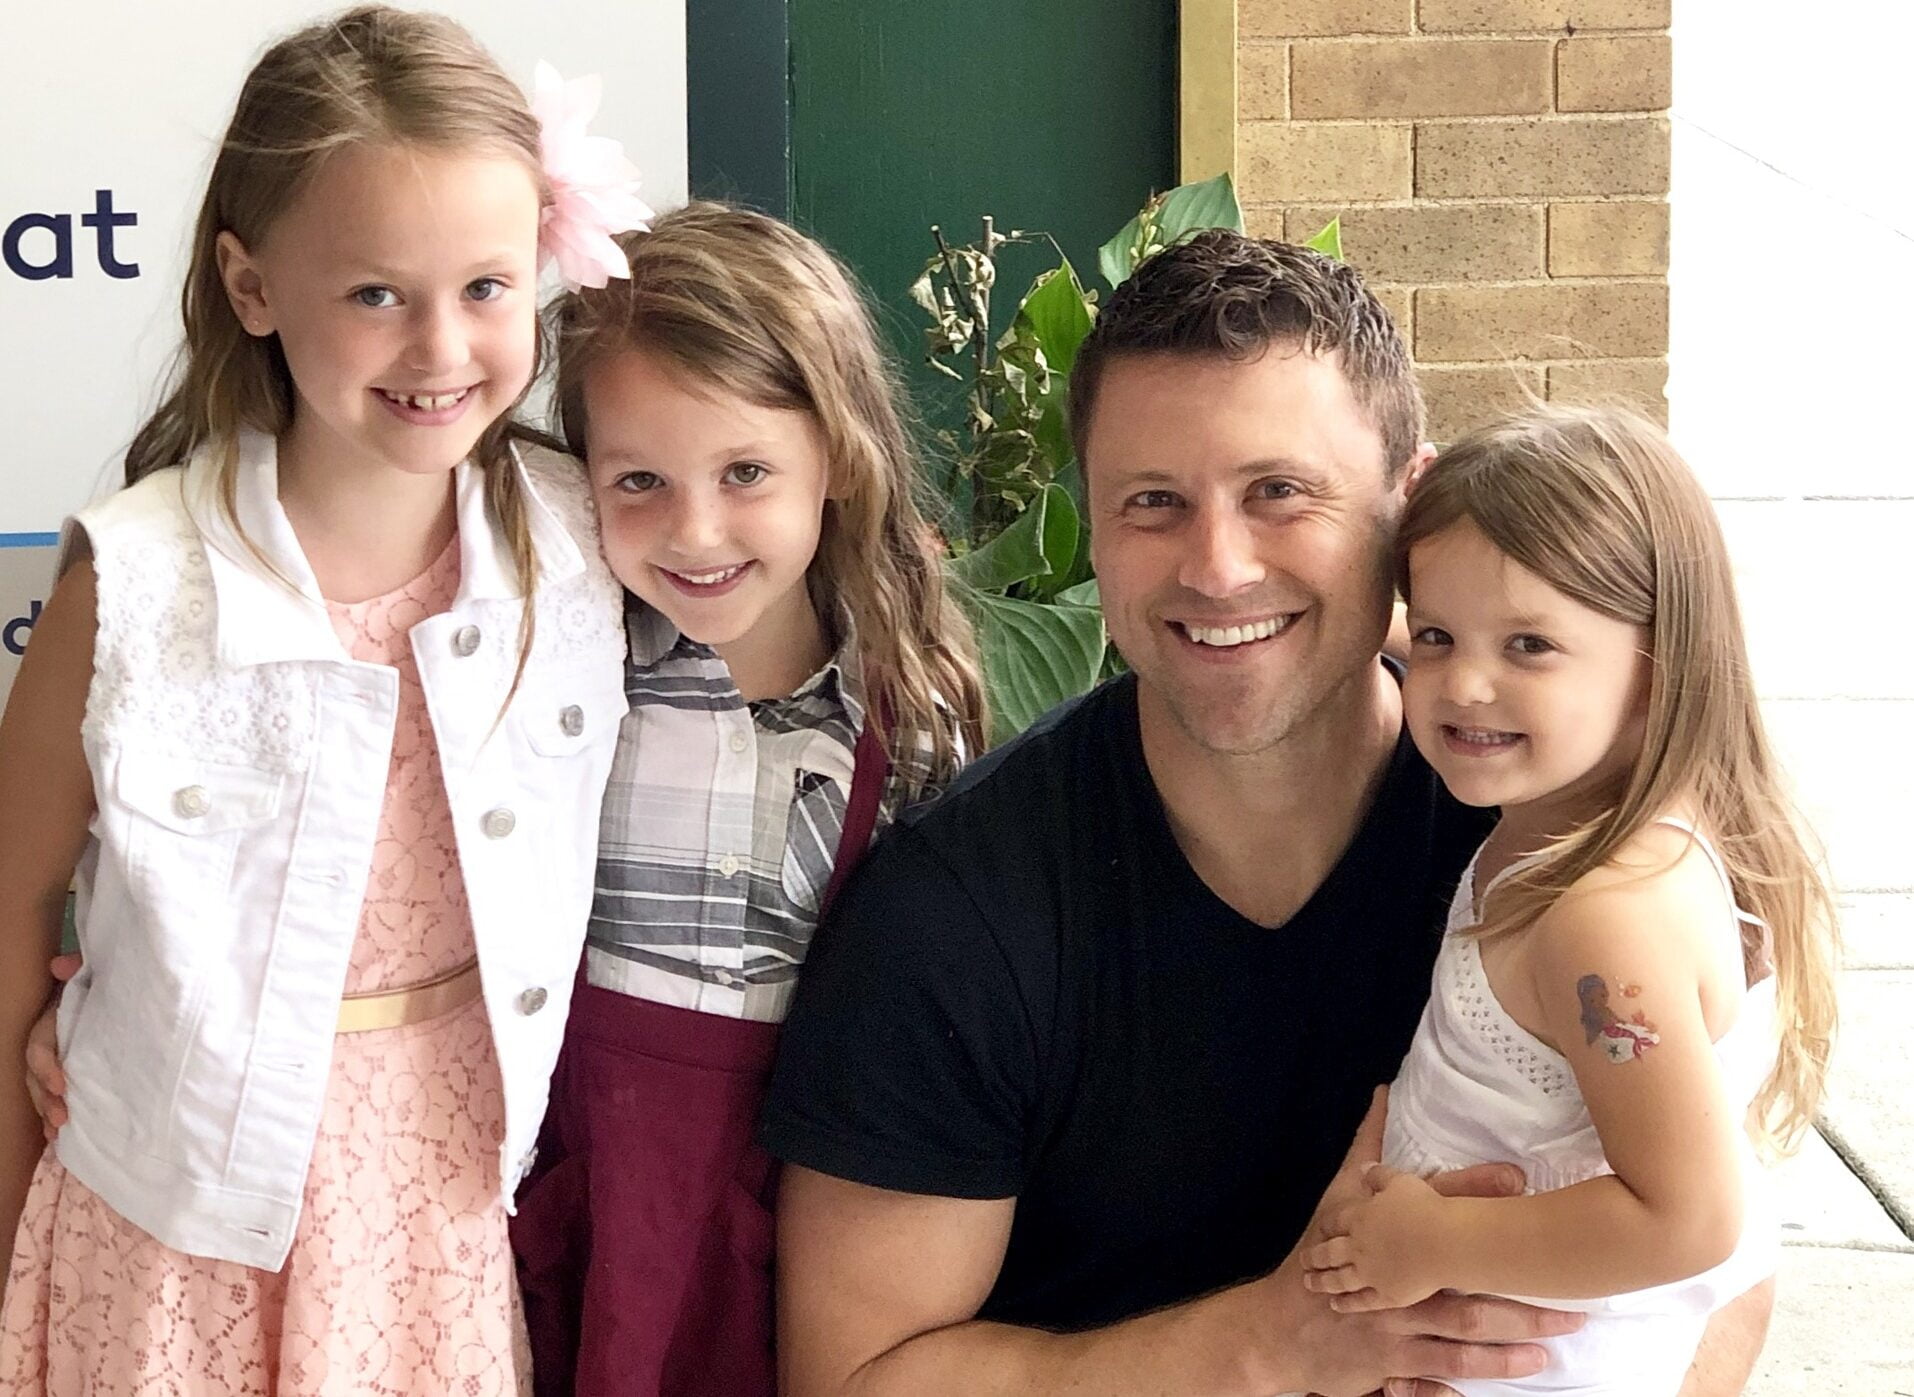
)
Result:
{"points": [[1076, 1060]]}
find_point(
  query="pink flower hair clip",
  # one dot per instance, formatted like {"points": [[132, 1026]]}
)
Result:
{"points": [[594, 187]]}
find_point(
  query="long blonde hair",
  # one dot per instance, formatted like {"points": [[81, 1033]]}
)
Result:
{"points": [[752, 306], [370, 76], [1596, 503]]}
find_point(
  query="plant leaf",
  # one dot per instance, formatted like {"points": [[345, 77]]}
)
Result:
{"points": [[1054, 318], [1011, 557], [1113, 258], [1329, 240], [1083, 594], [1184, 211], [1190, 208], [1057, 314], [1039, 543], [1035, 655], [1117, 258], [923, 292], [1070, 477], [1062, 541], [1053, 435]]}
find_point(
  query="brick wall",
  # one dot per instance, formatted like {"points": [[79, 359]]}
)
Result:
{"points": [[1501, 171]]}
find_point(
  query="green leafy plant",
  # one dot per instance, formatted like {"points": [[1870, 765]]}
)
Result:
{"points": [[1020, 555]]}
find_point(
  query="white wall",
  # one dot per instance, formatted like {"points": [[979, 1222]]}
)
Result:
{"points": [[131, 97], [1791, 382]]}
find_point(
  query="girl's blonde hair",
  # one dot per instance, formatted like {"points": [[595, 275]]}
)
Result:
{"points": [[371, 76], [747, 304], [1596, 503]]}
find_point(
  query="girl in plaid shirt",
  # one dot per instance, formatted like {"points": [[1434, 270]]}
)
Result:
{"points": [[796, 672]]}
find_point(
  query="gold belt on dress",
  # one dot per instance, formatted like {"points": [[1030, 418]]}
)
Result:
{"points": [[359, 1013]]}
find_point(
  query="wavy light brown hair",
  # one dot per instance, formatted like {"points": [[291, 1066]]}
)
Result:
{"points": [[752, 307], [1596, 503], [370, 76], [1225, 294]]}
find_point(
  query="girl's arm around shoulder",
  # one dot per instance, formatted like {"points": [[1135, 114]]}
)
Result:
{"points": [[46, 790], [1622, 966], [46, 804]]}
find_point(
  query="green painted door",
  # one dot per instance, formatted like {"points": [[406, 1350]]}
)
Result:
{"points": [[1051, 115]]}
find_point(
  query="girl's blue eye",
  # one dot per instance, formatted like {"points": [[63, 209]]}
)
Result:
{"points": [[376, 297], [746, 473], [1430, 635], [486, 288], [636, 482]]}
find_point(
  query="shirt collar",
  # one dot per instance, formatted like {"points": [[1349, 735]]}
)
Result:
{"points": [[653, 639], [267, 601]]}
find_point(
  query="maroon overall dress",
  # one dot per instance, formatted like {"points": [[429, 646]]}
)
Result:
{"points": [[644, 1232]]}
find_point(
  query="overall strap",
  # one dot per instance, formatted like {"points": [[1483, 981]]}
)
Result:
{"points": [[870, 772]]}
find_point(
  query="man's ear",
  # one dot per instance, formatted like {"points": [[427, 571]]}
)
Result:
{"points": [[1418, 463], [245, 286]]}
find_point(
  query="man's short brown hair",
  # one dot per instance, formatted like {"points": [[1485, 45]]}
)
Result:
{"points": [[1223, 293]]}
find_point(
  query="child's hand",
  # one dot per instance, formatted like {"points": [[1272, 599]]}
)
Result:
{"points": [[1383, 1251], [46, 1083]]}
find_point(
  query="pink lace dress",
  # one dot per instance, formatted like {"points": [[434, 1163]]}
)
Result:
{"points": [[400, 1279]]}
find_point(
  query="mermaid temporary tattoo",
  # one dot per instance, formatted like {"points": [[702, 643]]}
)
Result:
{"points": [[1623, 1040]]}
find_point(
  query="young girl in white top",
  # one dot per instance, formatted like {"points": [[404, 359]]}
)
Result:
{"points": [[322, 710], [1637, 985]]}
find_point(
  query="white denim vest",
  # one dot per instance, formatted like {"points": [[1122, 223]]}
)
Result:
{"points": [[239, 759]]}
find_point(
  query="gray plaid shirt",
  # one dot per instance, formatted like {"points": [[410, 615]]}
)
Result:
{"points": [[720, 827]]}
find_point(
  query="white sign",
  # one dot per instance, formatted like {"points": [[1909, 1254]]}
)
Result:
{"points": [[110, 131]]}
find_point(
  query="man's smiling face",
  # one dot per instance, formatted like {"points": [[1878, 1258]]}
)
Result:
{"points": [[1242, 514]]}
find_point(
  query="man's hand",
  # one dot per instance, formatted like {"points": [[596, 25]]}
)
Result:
{"points": [[1444, 1336], [1722, 1365], [46, 1083]]}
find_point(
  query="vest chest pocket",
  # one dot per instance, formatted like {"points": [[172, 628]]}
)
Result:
{"points": [[183, 822], [569, 730], [566, 721]]}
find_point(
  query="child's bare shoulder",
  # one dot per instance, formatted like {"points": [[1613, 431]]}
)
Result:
{"points": [[1660, 886]]}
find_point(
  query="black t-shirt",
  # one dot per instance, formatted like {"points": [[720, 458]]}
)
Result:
{"points": [[1027, 992]]}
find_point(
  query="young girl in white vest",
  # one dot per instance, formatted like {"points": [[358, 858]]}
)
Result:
{"points": [[321, 711], [1636, 991]]}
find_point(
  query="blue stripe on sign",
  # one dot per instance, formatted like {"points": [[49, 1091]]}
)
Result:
{"points": [[28, 540]]}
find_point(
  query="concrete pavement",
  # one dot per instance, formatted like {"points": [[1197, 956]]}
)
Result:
{"points": [[1844, 1311]]}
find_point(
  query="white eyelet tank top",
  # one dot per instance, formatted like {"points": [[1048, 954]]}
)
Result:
{"points": [[1476, 1087]]}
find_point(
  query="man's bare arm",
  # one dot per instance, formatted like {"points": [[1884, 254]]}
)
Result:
{"points": [[878, 1293]]}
